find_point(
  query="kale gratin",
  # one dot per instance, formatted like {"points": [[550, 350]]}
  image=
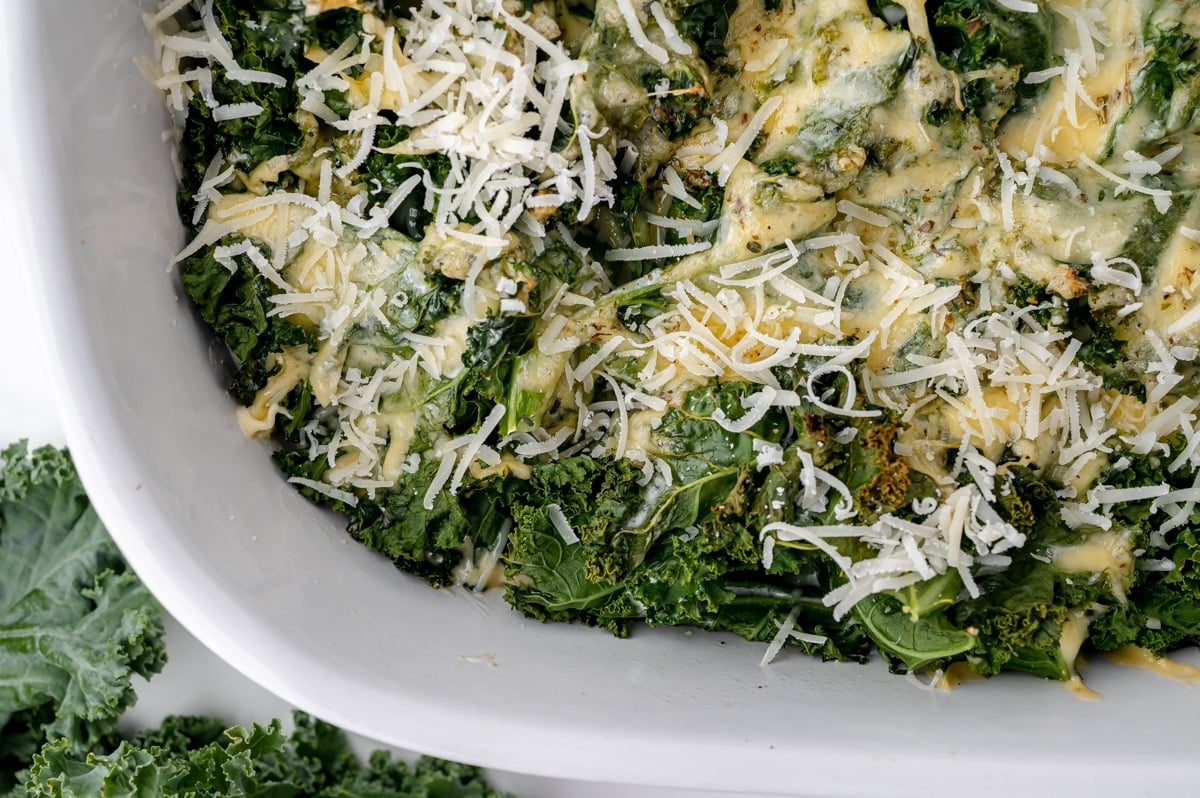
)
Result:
{"points": [[842, 325]]}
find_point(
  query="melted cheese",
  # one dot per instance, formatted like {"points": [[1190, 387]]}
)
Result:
{"points": [[1137, 657], [1063, 121], [1103, 553], [259, 418], [1074, 634]]}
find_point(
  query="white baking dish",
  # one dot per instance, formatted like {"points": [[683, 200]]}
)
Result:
{"points": [[276, 588]]}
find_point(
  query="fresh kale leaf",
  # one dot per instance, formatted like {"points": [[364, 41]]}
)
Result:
{"points": [[76, 625], [199, 756], [75, 622]]}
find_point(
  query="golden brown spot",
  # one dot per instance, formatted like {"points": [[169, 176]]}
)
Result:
{"points": [[888, 489], [814, 425], [1067, 284]]}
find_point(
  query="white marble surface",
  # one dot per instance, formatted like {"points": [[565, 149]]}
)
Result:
{"points": [[195, 680]]}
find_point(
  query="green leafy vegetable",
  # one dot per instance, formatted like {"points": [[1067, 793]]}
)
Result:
{"points": [[75, 622], [198, 756], [235, 304], [76, 625], [707, 23], [981, 36], [425, 541], [383, 174]]}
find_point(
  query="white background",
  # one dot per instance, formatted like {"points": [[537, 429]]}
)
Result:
{"points": [[195, 680]]}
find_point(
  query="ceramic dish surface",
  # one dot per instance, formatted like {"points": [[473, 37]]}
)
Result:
{"points": [[276, 587]]}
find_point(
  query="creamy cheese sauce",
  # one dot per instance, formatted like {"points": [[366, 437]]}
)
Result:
{"points": [[1136, 657], [1106, 553], [1073, 636]]}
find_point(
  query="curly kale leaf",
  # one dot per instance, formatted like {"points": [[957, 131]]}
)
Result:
{"points": [[493, 345], [711, 578], [759, 608], [1103, 351], [422, 312], [1019, 617], [428, 540], [683, 551], [718, 577], [423, 540], [1021, 611], [1031, 505], [256, 139], [879, 480], [267, 35], [549, 578], [712, 467], [695, 431], [910, 627], [75, 622], [1173, 598], [491, 339], [632, 536], [1162, 607], [706, 575], [199, 756]]}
